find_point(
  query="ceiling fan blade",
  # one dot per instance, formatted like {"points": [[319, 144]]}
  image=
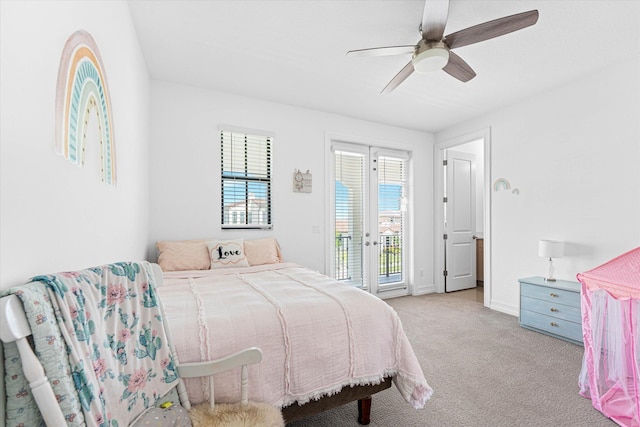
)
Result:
{"points": [[399, 78], [491, 29], [456, 67], [434, 19], [382, 51]]}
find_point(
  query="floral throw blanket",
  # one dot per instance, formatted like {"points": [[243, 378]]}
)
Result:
{"points": [[110, 358]]}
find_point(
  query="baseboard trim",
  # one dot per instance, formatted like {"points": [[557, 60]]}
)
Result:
{"points": [[422, 290], [505, 308]]}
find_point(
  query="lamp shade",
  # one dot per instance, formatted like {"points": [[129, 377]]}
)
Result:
{"points": [[550, 249], [431, 56]]}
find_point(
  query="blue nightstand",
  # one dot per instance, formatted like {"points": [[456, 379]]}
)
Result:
{"points": [[551, 308]]}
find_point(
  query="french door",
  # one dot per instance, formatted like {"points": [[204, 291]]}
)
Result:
{"points": [[369, 218]]}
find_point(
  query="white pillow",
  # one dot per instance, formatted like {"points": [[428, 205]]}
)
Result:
{"points": [[227, 253]]}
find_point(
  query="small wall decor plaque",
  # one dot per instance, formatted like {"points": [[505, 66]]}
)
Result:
{"points": [[301, 181], [82, 88]]}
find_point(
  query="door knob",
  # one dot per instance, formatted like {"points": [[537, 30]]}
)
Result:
{"points": [[367, 243], [375, 243]]}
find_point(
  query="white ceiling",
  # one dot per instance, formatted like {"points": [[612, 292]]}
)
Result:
{"points": [[293, 52]]}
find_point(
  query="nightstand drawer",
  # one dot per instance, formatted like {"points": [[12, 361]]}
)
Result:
{"points": [[558, 296], [563, 328], [551, 308]]}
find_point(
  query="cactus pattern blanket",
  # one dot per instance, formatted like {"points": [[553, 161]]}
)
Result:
{"points": [[99, 335], [317, 335]]}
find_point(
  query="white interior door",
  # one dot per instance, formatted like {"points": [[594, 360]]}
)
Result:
{"points": [[460, 245], [369, 218]]}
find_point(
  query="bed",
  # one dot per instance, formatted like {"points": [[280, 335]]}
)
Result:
{"points": [[325, 343]]}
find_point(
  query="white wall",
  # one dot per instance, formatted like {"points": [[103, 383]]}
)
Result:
{"points": [[55, 216], [185, 170], [574, 155]]}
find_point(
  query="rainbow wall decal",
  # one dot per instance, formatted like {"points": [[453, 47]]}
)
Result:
{"points": [[82, 88], [501, 184]]}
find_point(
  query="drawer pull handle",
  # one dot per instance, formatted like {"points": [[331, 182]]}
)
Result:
{"points": [[553, 295], [553, 309], [554, 324]]}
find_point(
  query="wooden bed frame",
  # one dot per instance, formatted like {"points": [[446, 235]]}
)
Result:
{"points": [[348, 394], [14, 327]]}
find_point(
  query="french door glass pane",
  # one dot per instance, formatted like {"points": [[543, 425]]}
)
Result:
{"points": [[391, 214], [349, 217]]}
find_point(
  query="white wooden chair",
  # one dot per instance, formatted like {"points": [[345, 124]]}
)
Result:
{"points": [[14, 327]]}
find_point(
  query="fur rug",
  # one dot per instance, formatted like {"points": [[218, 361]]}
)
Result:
{"points": [[235, 415]]}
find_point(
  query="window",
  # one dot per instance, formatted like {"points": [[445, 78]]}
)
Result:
{"points": [[245, 179], [392, 183], [350, 206]]}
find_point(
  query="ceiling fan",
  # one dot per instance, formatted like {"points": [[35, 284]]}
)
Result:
{"points": [[433, 51]]}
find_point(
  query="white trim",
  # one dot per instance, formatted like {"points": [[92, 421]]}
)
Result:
{"points": [[438, 157], [423, 290], [329, 204], [246, 227], [504, 308], [247, 131]]}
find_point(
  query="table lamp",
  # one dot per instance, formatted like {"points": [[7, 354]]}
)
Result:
{"points": [[550, 249]]}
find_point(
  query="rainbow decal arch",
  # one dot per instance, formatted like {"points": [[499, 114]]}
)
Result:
{"points": [[82, 88], [501, 184]]}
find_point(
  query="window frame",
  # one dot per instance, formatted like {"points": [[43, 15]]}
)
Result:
{"points": [[230, 134]]}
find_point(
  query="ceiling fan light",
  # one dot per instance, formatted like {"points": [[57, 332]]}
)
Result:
{"points": [[432, 59]]}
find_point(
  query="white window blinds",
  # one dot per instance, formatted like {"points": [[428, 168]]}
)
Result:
{"points": [[391, 218], [245, 180], [350, 208]]}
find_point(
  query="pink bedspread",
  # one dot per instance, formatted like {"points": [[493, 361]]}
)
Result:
{"points": [[317, 335]]}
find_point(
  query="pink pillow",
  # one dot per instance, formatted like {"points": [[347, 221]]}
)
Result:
{"points": [[262, 251], [227, 253], [183, 255]]}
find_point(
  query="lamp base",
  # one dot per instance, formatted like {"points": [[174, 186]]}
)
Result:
{"points": [[549, 277]]}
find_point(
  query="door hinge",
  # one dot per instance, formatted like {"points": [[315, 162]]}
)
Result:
{"points": [[444, 163], [444, 200], [445, 273], [445, 236]]}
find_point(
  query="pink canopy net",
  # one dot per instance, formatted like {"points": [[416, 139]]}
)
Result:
{"points": [[610, 374]]}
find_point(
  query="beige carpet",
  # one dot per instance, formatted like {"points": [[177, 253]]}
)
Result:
{"points": [[485, 371]]}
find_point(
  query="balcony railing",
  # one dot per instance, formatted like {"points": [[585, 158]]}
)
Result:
{"points": [[390, 257], [342, 257]]}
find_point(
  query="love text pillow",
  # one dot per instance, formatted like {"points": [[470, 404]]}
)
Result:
{"points": [[227, 253]]}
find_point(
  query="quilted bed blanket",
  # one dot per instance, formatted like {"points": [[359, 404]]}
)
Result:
{"points": [[317, 335]]}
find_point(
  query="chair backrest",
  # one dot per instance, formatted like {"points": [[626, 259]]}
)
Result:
{"points": [[101, 351], [210, 368]]}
